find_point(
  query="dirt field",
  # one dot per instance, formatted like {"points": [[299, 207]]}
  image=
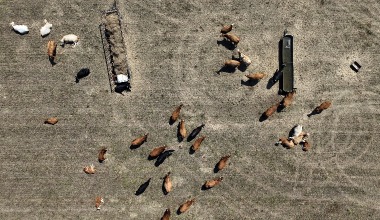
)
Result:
{"points": [[174, 56]]}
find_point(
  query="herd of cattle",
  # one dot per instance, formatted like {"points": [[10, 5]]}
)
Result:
{"points": [[297, 135], [160, 154]]}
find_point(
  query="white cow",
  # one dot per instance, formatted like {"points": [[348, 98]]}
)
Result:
{"points": [[21, 29], [45, 30]]}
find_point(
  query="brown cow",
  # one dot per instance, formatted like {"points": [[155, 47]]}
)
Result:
{"points": [[139, 141], [320, 108], [306, 146], [157, 151], [232, 38], [101, 156], [197, 143], [98, 202], [167, 183], [269, 112], [185, 206], [175, 114], [222, 163], [226, 28], [89, 169], [256, 76], [231, 63], [166, 215], [288, 99], [211, 183]]}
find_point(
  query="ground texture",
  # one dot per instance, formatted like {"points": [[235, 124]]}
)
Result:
{"points": [[174, 56]]}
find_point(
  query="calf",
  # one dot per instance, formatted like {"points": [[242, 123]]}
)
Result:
{"points": [[306, 146], [226, 28], [51, 121], [101, 155], [89, 169], [98, 202]]}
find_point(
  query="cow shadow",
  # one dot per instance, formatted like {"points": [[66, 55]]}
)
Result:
{"points": [[226, 69], [142, 187], [227, 44], [280, 108], [216, 169], [204, 188], [263, 117], [314, 112], [191, 151], [171, 121], [242, 67], [249, 82], [52, 62]]}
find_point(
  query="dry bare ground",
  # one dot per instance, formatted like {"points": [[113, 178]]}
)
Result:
{"points": [[174, 55]]}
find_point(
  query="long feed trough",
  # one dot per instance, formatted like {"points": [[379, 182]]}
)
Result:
{"points": [[115, 52]]}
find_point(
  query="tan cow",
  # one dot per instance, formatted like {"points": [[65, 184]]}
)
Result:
{"points": [[182, 129], [175, 114], [51, 50], [89, 169], [232, 38], [167, 183], [256, 76], [285, 143], [51, 121], [197, 143], [211, 183], [185, 206], [222, 162], [226, 28], [231, 63]]}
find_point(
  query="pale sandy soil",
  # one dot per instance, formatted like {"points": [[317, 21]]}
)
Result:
{"points": [[174, 55]]}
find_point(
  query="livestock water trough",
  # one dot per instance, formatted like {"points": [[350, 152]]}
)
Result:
{"points": [[115, 52], [286, 63]]}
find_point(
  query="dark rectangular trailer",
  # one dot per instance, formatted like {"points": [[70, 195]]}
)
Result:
{"points": [[286, 64]]}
